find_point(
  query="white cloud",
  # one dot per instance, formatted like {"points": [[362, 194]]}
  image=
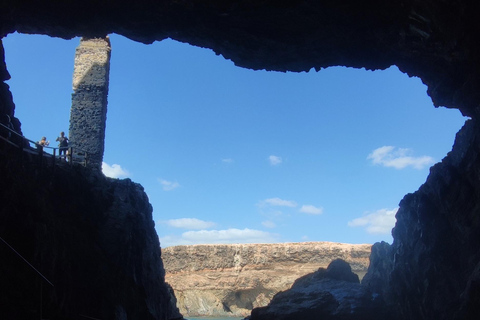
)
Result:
{"points": [[311, 209], [190, 223], [227, 160], [269, 224], [168, 185], [278, 202], [379, 222], [114, 171], [219, 237], [274, 160], [398, 158]]}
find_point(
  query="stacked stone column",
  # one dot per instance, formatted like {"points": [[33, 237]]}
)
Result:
{"points": [[88, 114]]}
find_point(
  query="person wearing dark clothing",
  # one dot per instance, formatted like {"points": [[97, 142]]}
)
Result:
{"points": [[62, 144]]}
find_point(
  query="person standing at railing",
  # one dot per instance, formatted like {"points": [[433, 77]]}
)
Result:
{"points": [[62, 144], [43, 142]]}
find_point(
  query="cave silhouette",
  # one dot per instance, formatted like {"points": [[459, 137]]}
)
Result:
{"points": [[432, 269]]}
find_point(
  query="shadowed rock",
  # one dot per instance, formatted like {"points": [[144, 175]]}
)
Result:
{"points": [[334, 293]]}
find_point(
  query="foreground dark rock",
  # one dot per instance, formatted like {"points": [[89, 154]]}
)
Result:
{"points": [[331, 294], [431, 271], [92, 237], [436, 252]]}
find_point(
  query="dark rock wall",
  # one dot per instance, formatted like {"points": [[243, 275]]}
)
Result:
{"points": [[92, 237], [436, 252], [7, 107], [431, 271], [434, 40]]}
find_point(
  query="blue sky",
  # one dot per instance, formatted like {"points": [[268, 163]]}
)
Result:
{"points": [[231, 155]]}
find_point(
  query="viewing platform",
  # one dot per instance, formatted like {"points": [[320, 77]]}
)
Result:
{"points": [[11, 142]]}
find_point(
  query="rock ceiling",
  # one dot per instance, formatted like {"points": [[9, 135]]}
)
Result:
{"points": [[432, 39]]}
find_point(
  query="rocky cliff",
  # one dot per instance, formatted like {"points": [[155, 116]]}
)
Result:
{"points": [[77, 245], [328, 294], [230, 280], [437, 236]]}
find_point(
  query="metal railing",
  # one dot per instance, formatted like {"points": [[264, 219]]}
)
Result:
{"points": [[25, 145]]}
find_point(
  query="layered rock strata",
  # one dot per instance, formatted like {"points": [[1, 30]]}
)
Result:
{"points": [[230, 280]]}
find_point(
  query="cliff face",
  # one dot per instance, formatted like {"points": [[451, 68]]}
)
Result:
{"points": [[328, 294], [436, 239], [431, 271], [91, 238], [230, 280]]}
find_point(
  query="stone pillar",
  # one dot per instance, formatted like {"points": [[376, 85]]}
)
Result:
{"points": [[88, 114]]}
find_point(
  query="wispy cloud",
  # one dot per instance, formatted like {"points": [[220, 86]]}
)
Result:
{"points": [[309, 209], [168, 185], [398, 158], [274, 160], [269, 224], [379, 222], [227, 160], [114, 171], [227, 236], [190, 223], [277, 202]]}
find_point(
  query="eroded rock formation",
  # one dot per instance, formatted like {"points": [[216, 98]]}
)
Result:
{"points": [[230, 280], [334, 293], [434, 40], [436, 253]]}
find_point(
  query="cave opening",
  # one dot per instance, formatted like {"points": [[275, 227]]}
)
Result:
{"points": [[235, 155]]}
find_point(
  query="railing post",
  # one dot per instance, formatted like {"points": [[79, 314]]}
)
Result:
{"points": [[40, 154], [20, 147], [70, 155]]}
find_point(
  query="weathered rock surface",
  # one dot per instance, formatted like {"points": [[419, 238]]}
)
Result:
{"points": [[226, 280], [331, 294], [431, 271], [434, 40], [91, 237], [436, 252]]}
